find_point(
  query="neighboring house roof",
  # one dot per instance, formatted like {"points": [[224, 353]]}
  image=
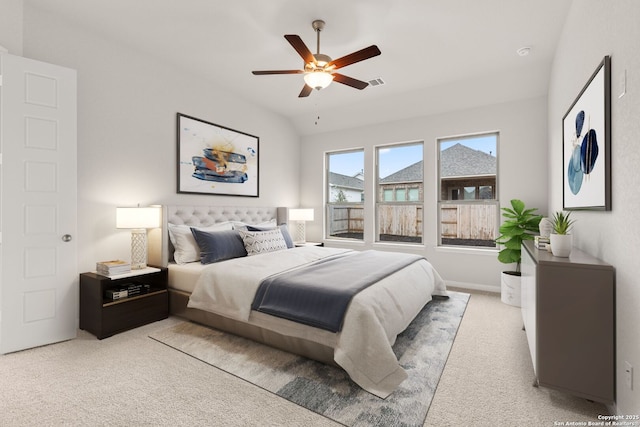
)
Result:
{"points": [[345, 181], [456, 161], [409, 174], [460, 160]]}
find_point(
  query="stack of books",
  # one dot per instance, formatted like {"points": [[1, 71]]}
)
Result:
{"points": [[127, 290], [112, 268], [541, 242]]}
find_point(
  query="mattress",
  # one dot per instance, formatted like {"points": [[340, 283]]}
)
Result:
{"points": [[183, 277]]}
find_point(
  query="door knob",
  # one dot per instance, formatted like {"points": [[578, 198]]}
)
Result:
{"points": [[66, 238]]}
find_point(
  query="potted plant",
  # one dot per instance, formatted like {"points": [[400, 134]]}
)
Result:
{"points": [[561, 238], [520, 224]]}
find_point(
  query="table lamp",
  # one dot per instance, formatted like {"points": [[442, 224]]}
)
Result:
{"points": [[301, 216], [138, 220]]}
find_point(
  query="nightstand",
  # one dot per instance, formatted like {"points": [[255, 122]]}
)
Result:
{"points": [[105, 317], [301, 244]]}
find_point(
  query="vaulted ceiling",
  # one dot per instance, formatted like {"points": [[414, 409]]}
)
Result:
{"points": [[437, 55]]}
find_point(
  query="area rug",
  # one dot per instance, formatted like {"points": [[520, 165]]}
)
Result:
{"points": [[422, 350]]}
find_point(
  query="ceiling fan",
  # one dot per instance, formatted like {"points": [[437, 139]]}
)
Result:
{"points": [[319, 69]]}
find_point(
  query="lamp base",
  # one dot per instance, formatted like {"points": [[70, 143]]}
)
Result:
{"points": [[138, 249], [301, 232]]}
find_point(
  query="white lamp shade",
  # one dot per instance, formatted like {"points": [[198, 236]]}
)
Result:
{"points": [[318, 79], [301, 214], [138, 217]]}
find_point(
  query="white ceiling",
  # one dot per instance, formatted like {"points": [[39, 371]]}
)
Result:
{"points": [[437, 55]]}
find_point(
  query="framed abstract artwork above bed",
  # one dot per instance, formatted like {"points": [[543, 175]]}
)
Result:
{"points": [[586, 146], [216, 160]]}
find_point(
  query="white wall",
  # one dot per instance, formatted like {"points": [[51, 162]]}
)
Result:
{"points": [[127, 105], [522, 174], [596, 28], [11, 26]]}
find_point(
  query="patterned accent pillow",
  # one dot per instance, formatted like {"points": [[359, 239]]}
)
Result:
{"points": [[259, 242], [283, 228]]}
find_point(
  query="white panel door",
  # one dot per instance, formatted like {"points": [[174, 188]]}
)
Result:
{"points": [[38, 253]]}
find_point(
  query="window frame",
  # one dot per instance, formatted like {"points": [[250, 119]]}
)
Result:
{"points": [[461, 190], [379, 193], [328, 203]]}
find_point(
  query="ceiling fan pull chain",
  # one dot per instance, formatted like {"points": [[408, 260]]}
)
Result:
{"points": [[317, 114]]}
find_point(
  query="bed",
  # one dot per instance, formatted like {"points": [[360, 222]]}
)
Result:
{"points": [[220, 294]]}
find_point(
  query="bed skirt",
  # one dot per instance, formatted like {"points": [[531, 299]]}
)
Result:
{"points": [[178, 307]]}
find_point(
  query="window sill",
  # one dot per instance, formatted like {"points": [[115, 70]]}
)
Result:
{"points": [[343, 242], [414, 246], [473, 250], [360, 243]]}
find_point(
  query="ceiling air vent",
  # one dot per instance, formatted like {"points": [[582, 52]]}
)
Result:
{"points": [[376, 82]]}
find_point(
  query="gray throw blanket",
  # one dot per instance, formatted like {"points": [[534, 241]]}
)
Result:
{"points": [[318, 295]]}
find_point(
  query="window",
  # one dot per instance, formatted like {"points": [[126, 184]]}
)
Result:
{"points": [[468, 207], [345, 195], [399, 193]]}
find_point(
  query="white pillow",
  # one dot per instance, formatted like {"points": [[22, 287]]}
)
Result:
{"points": [[259, 242], [185, 247], [239, 225]]}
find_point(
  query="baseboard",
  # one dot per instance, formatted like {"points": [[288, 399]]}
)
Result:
{"points": [[473, 286]]}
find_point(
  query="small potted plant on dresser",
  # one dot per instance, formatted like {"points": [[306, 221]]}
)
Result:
{"points": [[520, 224], [561, 238]]}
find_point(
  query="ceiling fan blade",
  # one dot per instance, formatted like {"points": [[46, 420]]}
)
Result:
{"points": [[349, 81], [352, 58], [306, 91], [301, 48], [260, 73]]}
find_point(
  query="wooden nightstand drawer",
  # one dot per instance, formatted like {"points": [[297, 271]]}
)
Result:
{"points": [[121, 316]]}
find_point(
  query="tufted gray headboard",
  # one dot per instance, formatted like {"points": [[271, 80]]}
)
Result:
{"points": [[160, 248]]}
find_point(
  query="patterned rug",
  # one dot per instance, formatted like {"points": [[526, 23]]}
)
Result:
{"points": [[422, 350]]}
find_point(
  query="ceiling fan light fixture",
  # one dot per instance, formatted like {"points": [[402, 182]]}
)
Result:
{"points": [[318, 79], [319, 69]]}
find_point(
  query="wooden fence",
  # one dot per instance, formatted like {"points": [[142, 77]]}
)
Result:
{"points": [[393, 220], [346, 219], [397, 220], [466, 221], [460, 221]]}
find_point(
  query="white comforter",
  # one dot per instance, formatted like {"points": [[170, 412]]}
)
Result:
{"points": [[375, 316]]}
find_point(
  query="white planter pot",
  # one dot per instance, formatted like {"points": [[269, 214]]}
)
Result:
{"points": [[510, 288], [561, 244]]}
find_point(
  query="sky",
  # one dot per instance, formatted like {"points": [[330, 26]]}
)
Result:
{"points": [[395, 158], [486, 143]]}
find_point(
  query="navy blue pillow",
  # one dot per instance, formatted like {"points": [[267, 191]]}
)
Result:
{"points": [[283, 228], [218, 245]]}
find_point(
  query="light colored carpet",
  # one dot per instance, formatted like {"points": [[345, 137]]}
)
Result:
{"points": [[422, 350], [129, 380], [489, 375]]}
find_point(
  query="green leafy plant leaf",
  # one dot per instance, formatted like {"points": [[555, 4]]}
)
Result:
{"points": [[561, 222], [520, 224]]}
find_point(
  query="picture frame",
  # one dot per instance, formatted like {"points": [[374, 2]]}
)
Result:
{"points": [[586, 145], [216, 160]]}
